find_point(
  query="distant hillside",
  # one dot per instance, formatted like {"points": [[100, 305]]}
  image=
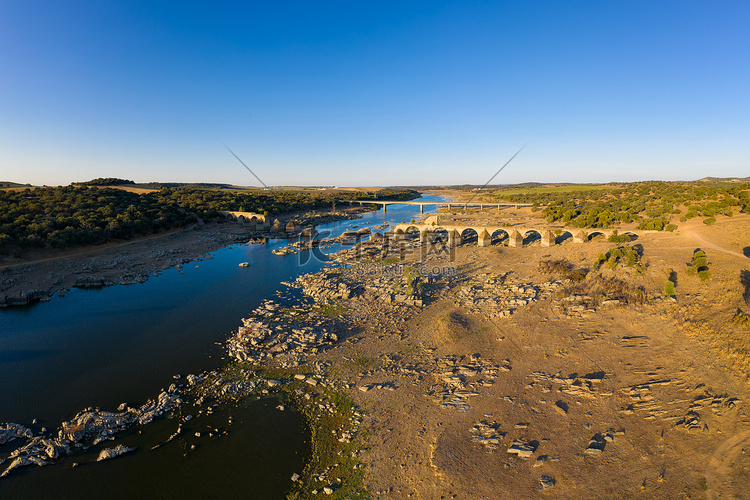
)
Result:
{"points": [[8, 184], [503, 187], [106, 181], [196, 185], [724, 179]]}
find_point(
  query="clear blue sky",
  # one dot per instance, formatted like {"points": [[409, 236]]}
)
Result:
{"points": [[373, 93]]}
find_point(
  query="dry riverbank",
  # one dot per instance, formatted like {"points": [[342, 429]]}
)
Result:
{"points": [[512, 380], [42, 274]]}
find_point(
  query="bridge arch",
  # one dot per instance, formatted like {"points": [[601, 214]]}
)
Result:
{"points": [[499, 237], [511, 236], [469, 235], [438, 234], [531, 236], [412, 232], [564, 237], [596, 234]]}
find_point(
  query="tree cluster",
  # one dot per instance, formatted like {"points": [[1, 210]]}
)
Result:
{"points": [[626, 255], [652, 204], [699, 266], [60, 217], [107, 181]]}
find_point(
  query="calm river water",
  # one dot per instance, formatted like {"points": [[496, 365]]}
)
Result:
{"points": [[124, 343]]}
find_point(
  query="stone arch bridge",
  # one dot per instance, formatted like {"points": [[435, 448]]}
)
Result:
{"points": [[250, 217], [515, 234]]}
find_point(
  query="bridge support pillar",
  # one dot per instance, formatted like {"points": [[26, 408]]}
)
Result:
{"points": [[421, 208], [449, 207], [385, 207], [424, 236], [454, 238], [515, 239], [580, 237], [548, 238], [484, 239]]}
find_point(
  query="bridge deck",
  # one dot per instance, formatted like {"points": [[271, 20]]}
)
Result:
{"points": [[449, 204]]}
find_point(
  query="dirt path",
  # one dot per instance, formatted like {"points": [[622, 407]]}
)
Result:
{"points": [[719, 465], [708, 244]]}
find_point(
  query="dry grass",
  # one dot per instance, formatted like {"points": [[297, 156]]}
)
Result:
{"points": [[601, 289], [452, 326], [562, 268]]}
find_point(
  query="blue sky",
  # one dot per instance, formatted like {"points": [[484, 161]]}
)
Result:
{"points": [[373, 93]]}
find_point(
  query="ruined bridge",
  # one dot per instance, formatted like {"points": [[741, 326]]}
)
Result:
{"points": [[516, 235], [250, 217]]}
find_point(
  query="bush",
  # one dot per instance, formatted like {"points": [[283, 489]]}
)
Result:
{"points": [[669, 289], [670, 227], [562, 268], [651, 225], [626, 255], [632, 257], [600, 289], [600, 259], [709, 221], [699, 262], [699, 266], [741, 319], [618, 238]]}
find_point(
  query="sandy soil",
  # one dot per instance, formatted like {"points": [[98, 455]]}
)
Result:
{"points": [[648, 385]]}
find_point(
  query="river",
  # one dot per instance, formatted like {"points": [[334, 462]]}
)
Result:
{"points": [[118, 344]]}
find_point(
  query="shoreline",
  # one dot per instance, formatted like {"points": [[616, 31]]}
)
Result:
{"points": [[93, 427], [25, 283]]}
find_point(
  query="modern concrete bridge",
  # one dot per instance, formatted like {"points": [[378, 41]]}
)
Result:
{"points": [[515, 234], [449, 204]]}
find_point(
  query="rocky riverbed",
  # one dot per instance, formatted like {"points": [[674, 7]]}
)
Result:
{"points": [[273, 351]]}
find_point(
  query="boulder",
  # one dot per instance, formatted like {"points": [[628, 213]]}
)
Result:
{"points": [[118, 450]]}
